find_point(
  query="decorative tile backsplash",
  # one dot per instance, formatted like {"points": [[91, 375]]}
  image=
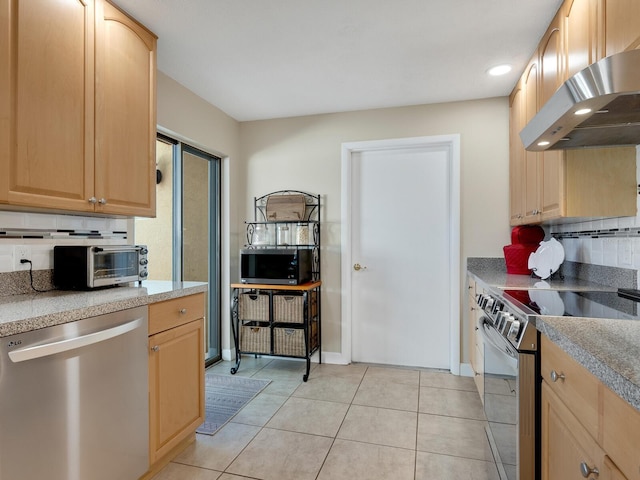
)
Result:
{"points": [[611, 242], [40, 232]]}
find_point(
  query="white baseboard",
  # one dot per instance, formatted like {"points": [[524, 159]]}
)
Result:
{"points": [[333, 358], [336, 358]]}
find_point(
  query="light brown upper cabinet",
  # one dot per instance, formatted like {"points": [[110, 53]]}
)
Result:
{"points": [[516, 155], [582, 34], [125, 114], [550, 77], [532, 160], [563, 185], [622, 25], [61, 63], [46, 98]]}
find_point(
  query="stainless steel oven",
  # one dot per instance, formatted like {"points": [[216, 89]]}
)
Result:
{"points": [[511, 398]]}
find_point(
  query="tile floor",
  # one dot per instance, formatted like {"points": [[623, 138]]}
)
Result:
{"points": [[346, 423]]}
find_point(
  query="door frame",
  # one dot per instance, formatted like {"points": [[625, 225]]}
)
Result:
{"points": [[218, 259], [450, 143]]}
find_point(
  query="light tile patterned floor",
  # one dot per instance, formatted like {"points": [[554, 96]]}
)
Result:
{"points": [[355, 422]]}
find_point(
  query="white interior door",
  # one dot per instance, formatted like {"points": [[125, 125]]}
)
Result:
{"points": [[401, 237]]}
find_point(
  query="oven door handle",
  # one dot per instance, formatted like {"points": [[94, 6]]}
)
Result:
{"points": [[502, 346]]}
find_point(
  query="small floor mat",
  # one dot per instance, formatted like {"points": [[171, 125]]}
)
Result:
{"points": [[225, 396]]}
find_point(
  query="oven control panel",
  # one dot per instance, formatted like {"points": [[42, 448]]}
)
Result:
{"points": [[507, 320]]}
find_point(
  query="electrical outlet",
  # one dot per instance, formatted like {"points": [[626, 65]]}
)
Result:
{"points": [[21, 252]]}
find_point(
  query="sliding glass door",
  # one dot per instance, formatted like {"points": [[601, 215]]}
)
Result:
{"points": [[184, 238], [200, 235]]}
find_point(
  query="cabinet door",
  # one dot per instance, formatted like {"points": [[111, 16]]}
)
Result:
{"points": [[621, 434], [516, 156], [176, 386], [566, 445], [125, 114], [472, 325], [611, 472], [622, 25], [532, 160], [46, 103], [551, 76], [551, 69], [581, 35]]}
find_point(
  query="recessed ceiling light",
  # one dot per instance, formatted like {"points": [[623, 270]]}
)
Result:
{"points": [[544, 143], [583, 111], [499, 70]]}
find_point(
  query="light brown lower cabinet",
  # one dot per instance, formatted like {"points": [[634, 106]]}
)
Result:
{"points": [[176, 376], [587, 430], [476, 357], [567, 447]]}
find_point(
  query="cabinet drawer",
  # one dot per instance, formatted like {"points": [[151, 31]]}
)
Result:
{"points": [[578, 388], [565, 444], [174, 312], [621, 436]]}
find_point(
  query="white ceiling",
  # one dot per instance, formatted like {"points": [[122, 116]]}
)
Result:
{"points": [[261, 59]]}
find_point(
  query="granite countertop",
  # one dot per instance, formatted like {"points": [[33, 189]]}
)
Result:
{"points": [[506, 281], [608, 348], [23, 313]]}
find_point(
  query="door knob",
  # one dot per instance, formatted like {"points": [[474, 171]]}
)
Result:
{"points": [[357, 267]]}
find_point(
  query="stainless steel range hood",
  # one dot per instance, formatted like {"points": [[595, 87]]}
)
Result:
{"points": [[608, 94]]}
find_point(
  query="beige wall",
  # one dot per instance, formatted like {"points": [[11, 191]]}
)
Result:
{"points": [[304, 153], [156, 233]]}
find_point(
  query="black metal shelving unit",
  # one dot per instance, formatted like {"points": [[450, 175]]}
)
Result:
{"points": [[265, 323]]}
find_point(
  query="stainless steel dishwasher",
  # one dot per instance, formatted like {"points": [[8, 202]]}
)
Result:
{"points": [[74, 401]]}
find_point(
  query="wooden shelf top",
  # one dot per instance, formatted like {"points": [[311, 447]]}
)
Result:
{"points": [[261, 286]]}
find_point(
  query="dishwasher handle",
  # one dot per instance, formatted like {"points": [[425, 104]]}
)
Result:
{"points": [[48, 349]]}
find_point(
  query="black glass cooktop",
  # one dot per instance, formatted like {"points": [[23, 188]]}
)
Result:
{"points": [[621, 304]]}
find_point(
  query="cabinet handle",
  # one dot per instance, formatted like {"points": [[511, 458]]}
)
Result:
{"points": [[585, 470], [102, 201], [155, 348], [555, 376], [183, 311], [93, 200]]}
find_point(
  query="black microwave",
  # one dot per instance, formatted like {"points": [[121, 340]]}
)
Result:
{"points": [[276, 266]]}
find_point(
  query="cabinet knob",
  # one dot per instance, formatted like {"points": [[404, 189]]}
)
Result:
{"points": [[585, 470], [93, 200], [555, 376], [102, 201], [357, 267], [155, 348], [183, 311]]}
